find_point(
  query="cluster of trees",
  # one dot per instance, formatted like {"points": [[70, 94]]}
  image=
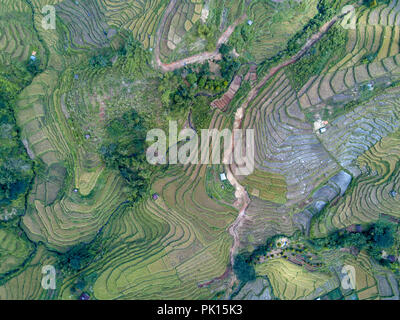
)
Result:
{"points": [[319, 57], [34, 66], [326, 11], [16, 169], [75, 258], [201, 113], [229, 65], [176, 95], [208, 34], [179, 96], [102, 59], [135, 59], [203, 82], [179, 88], [377, 237], [78, 257], [242, 37], [131, 57], [244, 262], [243, 268], [124, 149], [193, 88]]}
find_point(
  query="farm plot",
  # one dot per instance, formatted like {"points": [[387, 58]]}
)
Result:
{"points": [[55, 209], [265, 219], [292, 282], [14, 250], [375, 192], [286, 147], [191, 29], [266, 186], [217, 189], [17, 37], [27, 285], [45, 215], [73, 198], [375, 37], [141, 18], [285, 143], [350, 135], [85, 24], [178, 23], [273, 24], [366, 285], [165, 248]]}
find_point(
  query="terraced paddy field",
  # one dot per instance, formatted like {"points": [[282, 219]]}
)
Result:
{"points": [[179, 236], [373, 193], [141, 18], [372, 283], [290, 281], [266, 186], [375, 35], [192, 27], [14, 250], [272, 24], [16, 25], [27, 284], [74, 197], [176, 247]]}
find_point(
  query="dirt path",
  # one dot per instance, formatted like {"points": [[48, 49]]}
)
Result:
{"points": [[201, 57], [241, 195]]}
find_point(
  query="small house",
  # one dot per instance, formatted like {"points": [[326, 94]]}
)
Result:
{"points": [[33, 56], [222, 176], [84, 296], [355, 228]]}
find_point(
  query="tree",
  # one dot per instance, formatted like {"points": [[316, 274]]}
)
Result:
{"points": [[33, 65], [191, 78], [202, 82], [243, 270], [203, 31], [225, 49], [382, 234]]}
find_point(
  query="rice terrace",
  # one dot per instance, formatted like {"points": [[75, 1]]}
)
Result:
{"points": [[311, 86]]}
